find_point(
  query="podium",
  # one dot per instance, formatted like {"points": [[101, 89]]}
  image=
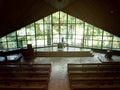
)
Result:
{"points": [[28, 53]]}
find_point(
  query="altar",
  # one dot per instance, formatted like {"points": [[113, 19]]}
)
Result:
{"points": [[61, 45]]}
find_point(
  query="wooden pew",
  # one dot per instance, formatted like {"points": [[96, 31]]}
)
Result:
{"points": [[33, 88], [26, 76], [95, 81], [96, 69], [26, 67], [94, 76], [85, 87], [96, 87], [93, 67], [94, 64], [25, 81], [25, 73], [23, 87], [110, 87]]}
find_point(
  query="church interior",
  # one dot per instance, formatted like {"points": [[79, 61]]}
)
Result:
{"points": [[59, 45]]}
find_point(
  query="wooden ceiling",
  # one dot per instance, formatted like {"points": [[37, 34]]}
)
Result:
{"points": [[15, 14]]}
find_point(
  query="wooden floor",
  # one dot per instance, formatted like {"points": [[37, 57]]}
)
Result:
{"points": [[59, 77]]}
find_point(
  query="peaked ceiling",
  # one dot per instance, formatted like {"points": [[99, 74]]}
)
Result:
{"points": [[15, 14]]}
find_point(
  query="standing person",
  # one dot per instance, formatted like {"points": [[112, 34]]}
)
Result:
{"points": [[62, 39]]}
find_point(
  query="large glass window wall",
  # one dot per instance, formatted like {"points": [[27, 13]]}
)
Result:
{"points": [[51, 29]]}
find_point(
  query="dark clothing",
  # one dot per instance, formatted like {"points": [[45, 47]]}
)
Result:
{"points": [[62, 39]]}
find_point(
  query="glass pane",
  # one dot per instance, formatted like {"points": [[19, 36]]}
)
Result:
{"points": [[88, 29], [71, 29], [55, 29], [39, 21], [24, 44], [3, 39], [30, 32], [97, 37], [55, 40], [107, 45], [79, 43], [79, 37], [107, 34], [21, 32], [63, 29], [116, 39], [30, 29], [12, 34], [12, 45], [89, 37], [40, 37], [31, 40], [96, 44], [23, 38], [47, 19], [63, 17], [116, 45], [48, 34], [48, 40], [71, 42], [48, 29], [39, 29], [20, 41], [71, 19], [55, 17], [40, 40], [107, 38], [40, 43], [78, 21], [3, 45], [79, 29], [97, 31], [11, 38], [88, 43]]}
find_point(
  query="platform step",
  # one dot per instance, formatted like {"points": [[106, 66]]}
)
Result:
{"points": [[65, 54]]}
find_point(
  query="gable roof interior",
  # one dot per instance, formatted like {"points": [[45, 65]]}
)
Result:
{"points": [[104, 14], [15, 14], [18, 13]]}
